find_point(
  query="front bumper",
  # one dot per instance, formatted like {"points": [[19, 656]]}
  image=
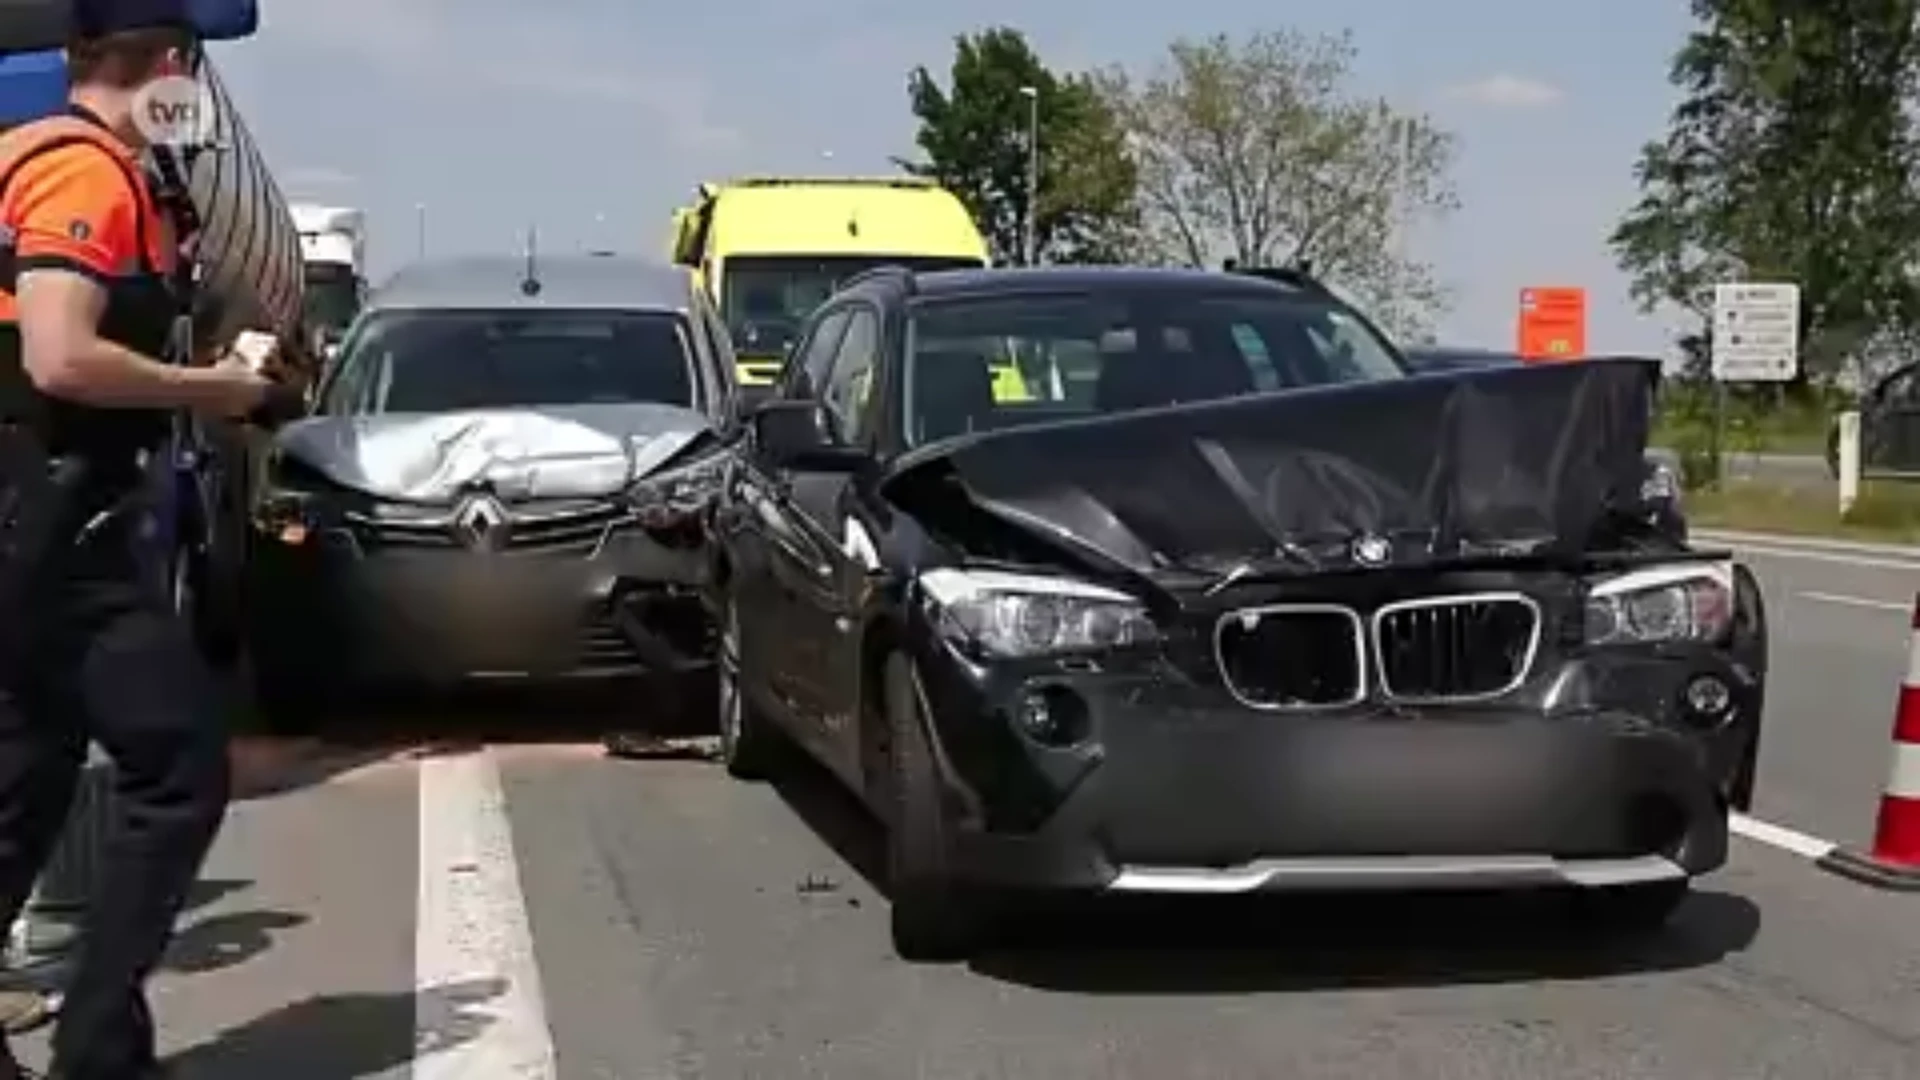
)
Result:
{"points": [[1175, 788], [329, 608]]}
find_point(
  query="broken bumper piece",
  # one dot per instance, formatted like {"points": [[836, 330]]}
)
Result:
{"points": [[441, 617]]}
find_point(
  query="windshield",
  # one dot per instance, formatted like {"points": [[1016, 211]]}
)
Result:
{"points": [[332, 297], [443, 361], [764, 299], [1086, 354]]}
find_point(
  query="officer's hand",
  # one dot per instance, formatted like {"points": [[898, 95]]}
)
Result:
{"points": [[238, 390]]}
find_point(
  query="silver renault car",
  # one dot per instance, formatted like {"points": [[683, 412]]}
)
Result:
{"points": [[504, 477]]}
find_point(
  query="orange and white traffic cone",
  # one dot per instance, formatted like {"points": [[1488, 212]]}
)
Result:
{"points": [[1894, 861]]}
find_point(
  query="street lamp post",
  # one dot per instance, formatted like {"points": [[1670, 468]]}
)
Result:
{"points": [[1030, 237], [420, 230]]}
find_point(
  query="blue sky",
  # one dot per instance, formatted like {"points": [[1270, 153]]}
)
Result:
{"points": [[594, 118]]}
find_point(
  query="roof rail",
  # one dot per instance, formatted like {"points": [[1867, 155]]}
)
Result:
{"points": [[1297, 274], [914, 182], [884, 270]]}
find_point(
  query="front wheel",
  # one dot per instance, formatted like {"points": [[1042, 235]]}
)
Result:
{"points": [[935, 916], [747, 743], [288, 706], [290, 698], [207, 609]]}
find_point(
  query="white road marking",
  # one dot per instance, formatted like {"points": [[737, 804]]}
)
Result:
{"points": [[479, 1010], [1778, 836], [1857, 601]]}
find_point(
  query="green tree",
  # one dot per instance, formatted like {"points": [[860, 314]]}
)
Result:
{"points": [[1790, 157], [1257, 150], [974, 137]]}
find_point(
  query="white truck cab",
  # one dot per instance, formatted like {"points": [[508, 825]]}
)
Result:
{"points": [[333, 248]]}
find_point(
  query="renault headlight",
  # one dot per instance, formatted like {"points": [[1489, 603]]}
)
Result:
{"points": [[683, 487], [1692, 602], [293, 498], [1008, 615]]}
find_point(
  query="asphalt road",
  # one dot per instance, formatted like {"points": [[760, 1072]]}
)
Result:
{"points": [[537, 910]]}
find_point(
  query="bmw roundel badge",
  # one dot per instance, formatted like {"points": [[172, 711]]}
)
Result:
{"points": [[1371, 550]]}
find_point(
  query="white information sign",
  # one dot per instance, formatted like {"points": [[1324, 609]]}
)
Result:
{"points": [[1756, 332]]}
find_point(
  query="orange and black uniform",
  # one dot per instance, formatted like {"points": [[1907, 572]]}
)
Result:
{"points": [[77, 199], [89, 648]]}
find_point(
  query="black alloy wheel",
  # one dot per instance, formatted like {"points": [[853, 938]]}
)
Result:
{"points": [[936, 918], [289, 697], [747, 743]]}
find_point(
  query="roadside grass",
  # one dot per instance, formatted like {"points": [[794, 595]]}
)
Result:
{"points": [[1887, 512], [1800, 432]]}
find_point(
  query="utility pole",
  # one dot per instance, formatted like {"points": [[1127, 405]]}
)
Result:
{"points": [[420, 231], [1030, 236]]}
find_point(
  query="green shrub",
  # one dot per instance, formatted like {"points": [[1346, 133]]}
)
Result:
{"points": [[1692, 445]]}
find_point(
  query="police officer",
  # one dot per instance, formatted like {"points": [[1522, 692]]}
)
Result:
{"points": [[88, 649]]}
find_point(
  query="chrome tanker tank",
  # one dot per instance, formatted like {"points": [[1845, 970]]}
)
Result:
{"points": [[250, 274]]}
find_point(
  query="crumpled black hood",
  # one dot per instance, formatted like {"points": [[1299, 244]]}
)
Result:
{"points": [[1526, 460]]}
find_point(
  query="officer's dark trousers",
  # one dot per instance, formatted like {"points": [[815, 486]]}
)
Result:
{"points": [[103, 658]]}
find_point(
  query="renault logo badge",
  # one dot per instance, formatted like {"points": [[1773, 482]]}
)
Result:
{"points": [[481, 523], [1372, 550]]}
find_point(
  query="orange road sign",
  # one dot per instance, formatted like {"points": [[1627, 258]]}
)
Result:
{"points": [[1553, 323]]}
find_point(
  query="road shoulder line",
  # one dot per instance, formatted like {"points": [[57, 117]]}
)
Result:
{"points": [[1844, 600], [479, 1007], [1834, 558], [1805, 543], [1788, 840]]}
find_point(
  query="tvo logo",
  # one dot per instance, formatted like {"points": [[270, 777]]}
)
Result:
{"points": [[175, 111]]}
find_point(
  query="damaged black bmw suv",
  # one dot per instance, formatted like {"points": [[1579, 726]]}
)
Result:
{"points": [[1228, 602]]}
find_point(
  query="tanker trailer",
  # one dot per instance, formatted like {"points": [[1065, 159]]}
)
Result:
{"points": [[247, 276], [247, 258]]}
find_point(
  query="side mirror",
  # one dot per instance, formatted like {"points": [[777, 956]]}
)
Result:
{"points": [[748, 399], [795, 435]]}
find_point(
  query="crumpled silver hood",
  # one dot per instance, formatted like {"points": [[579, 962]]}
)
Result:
{"points": [[577, 451]]}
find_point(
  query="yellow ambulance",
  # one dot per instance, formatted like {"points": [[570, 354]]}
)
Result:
{"points": [[771, 249]]}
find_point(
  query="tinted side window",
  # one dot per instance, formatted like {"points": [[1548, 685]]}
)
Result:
{"points": [[1253, 349], [849, 387], [807, 368]]}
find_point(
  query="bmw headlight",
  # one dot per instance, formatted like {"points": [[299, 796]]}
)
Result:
{"points": [[1660, 485], [1008, 616], [1691, 602]]}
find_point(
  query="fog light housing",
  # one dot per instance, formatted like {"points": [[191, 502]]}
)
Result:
{"points": [[1708, 700], [1053, 716]]}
